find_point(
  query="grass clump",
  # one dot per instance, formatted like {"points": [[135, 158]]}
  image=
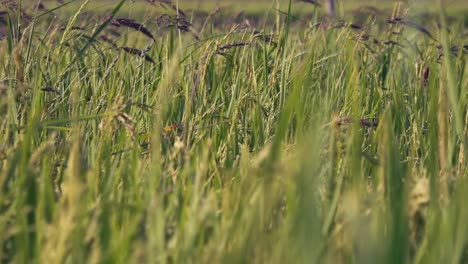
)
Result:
{"points": [[171, 137]]}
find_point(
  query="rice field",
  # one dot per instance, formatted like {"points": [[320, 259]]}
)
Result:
{"points": [[162, 131]]}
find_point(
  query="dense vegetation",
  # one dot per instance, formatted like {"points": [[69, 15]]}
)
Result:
{"points": [[147, 133]]}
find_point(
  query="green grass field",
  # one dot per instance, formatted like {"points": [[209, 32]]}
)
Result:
{"points": [[132, 133]]}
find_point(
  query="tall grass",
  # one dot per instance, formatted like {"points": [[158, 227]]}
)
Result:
{"points": [[286, 142]]}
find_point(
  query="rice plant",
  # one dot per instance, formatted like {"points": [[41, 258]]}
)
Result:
{"points": [[151, 132]]}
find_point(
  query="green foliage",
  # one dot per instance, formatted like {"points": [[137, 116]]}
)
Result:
{"points": [[284, 141]]}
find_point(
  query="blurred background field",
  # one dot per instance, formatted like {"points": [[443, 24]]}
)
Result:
{"points": [[262, 7]]}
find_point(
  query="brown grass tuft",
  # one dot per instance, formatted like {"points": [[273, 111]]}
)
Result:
{"points": [[400, 20], [50, 89], [181, 23], [138, 52], [267, 38], [134, 25], [19, 63], [233, 45], [363, 122]]}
